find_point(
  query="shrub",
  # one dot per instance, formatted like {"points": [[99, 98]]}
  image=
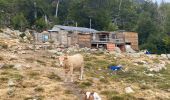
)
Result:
{"points": [[68, 92], [8, 66], [85, 84], [1, 58], [39, 89], [54, 77], [33, 74], [4, 46], [104, 80], [41, 62]]}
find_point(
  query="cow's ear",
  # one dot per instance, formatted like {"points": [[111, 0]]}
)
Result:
{"points": [[65, 57], [91, 93], [82, 92]]}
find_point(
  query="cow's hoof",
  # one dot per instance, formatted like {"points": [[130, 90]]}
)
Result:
{"points": [[71, 80], [65, 80], [80, 79]]}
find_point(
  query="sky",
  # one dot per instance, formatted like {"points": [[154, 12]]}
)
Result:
{"points": [[159, 1]]}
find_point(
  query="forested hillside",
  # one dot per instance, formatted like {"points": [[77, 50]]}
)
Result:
{"points": [[150, 20]]}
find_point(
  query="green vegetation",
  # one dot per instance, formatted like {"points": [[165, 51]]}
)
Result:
{"points": [[33, 74], [113, 95], [85, 84], [39, 89], [54, 76], [151, 21], [10, 74]]}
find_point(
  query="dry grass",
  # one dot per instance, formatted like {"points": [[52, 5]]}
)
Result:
{"points": [[48, 85]]}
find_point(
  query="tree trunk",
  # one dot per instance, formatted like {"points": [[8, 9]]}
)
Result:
{"points": [[56, 14]]}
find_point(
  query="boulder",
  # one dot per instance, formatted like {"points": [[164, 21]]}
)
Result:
{"points": [[129, 90], [18, 66], [164, 56], [11, 83], [168, 56], [117, 50], [135, 55], [129, 49], [1, 65]]}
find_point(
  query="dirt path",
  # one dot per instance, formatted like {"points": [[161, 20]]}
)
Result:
{"points": [[69, 85]]}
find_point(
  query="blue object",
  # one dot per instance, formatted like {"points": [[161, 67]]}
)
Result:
{"points": [[114, 68], [147, 52]]}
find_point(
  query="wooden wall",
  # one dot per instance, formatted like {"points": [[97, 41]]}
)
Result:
{"points": [[84, 40], [132, 37], [110, 46]]}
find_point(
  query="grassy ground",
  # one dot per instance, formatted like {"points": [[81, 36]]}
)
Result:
{"points": [[43, 79]]}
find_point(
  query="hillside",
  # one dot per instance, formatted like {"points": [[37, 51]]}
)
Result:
{"points": [[26, 74], [150, 19]]}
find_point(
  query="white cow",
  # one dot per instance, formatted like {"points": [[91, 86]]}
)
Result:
{"points": [[92, 96], [71, 63]]}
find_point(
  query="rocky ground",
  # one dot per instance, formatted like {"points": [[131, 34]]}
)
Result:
{"points": [[26, 74]]}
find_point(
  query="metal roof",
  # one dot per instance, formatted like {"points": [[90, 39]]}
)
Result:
{"points": [[71, 28]]}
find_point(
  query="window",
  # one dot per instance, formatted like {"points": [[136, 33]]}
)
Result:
{"points": [[45, 37], [104, 37]]}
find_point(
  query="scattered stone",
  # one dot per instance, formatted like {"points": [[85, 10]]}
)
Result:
{"points": [[168, 55], [11, 83], [135, 64], [151, 75], [52, 51], [157, 67], [22, 52], [18, 66], [117, 50], [152, 56], [11, 91], [168, 90], [135, 55], [1, 65], [129, 49], [129, 90], [164, 56], [96, 79]]}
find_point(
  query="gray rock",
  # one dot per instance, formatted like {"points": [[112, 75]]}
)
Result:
{"points": [[1, 65], [18, 66], [96, 79], [11, 83], [117, 50], [168, 90], [11, 91], [164, 56], [52, 51], [168, 55], [129, 49], [135, 55], [129, 90]]}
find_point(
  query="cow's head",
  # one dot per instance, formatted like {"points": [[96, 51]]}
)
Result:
{"points": [[61, 60]]}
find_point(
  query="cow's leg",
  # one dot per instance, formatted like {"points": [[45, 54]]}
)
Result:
{"points": [[66, 76], [71, 73], [81, 72]]}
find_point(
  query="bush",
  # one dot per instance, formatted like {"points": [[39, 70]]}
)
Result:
{"points": [[68, 92], [39, 89], [85, 84], [33, 74], [19, 21], [1, 58], [8, 66], [54, 77], [40, 24], [4, 46], [41, 62], [104, 80]]}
